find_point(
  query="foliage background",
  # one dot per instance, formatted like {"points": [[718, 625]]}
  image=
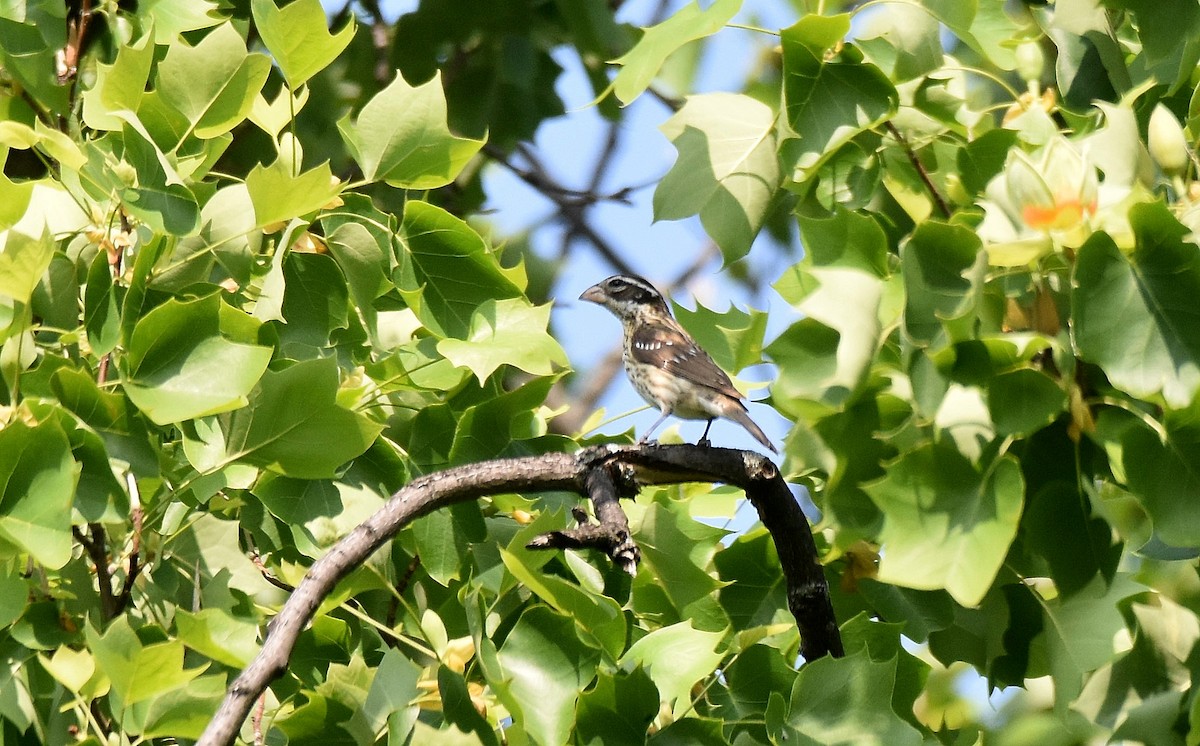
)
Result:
{"points": [[250, 285]]}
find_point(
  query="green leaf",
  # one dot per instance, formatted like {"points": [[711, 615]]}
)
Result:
{"points": [[1023, 400], [14, 201], [184, 712], [947, 525], [294, 425], [943, 268], [677, 551], [827, 356], [847, 701], [297, 37], [506, 332], [170, 18], [278, 195], [180, 363], [447, 271], [219, 635], [755, 594], [459, 710], [158, 199], [119, 86], [641, 64], [676, 657], [727, 170], [618, 709], [828, 103], [883, 643], [212, 85], [443, 538], [315, 305], [905, 42], [598, 616], [37, 486], [401, 137], [1160, 468], [1083, 632], [498, 427], [137, 671], [22, 263], [393, 690], [546, 669], [1135, 316], [1091, 63], [734, 338]]}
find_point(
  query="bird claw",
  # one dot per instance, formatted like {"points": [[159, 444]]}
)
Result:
{"points": [[704, 443]]}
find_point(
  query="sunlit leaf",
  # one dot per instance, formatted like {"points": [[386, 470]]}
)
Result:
{"points": [[506, 332], [37, 486], [641, 64], [401, 137], [180, 365], [297, 37]]}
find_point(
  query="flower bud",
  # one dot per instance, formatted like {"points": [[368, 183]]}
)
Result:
{"points": [[1030, 61], [1167, 143]]}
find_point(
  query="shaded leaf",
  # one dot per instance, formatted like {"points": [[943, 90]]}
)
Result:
{"points": [[826, 102], [945, 524], [1136, 316]]}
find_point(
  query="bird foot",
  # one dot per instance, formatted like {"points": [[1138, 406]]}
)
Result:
{"points": [[704, 443]]}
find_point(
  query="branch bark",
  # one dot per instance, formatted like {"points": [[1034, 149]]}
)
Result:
{"points": [[602, 472]]}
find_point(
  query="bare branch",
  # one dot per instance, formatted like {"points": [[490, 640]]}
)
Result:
{"points": [[597, 470]]}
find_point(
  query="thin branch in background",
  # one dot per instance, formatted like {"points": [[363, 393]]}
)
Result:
{"points": [[570, 203], [938, 199]]}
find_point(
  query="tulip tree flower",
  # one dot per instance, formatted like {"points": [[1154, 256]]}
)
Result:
{"points": [[1039, 202]]}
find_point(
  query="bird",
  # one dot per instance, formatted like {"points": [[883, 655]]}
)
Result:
{"points": [[665, 365]]}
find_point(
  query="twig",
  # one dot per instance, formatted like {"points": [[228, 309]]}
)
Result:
{"points": [[920, 168], [97, 549], [611, 535], [808, 594]]}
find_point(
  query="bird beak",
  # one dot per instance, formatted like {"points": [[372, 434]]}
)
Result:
{"points": [[594, 294]]}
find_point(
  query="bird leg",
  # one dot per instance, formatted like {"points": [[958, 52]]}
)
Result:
{"points": [[659, 421], [704, 441]]}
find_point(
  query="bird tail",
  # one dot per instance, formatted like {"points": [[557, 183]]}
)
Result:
{"points": [[739, 415]]}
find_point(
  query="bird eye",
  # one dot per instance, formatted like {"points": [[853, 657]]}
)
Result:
{"points": [[616, 283]]}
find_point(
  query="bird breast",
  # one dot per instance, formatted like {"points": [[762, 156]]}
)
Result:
{"points": [[658, 387]]}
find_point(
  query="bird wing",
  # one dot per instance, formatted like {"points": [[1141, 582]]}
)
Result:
{"points": [[672, 350]]}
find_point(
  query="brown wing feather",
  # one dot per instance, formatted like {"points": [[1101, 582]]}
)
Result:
{"points": [[672, 350]]}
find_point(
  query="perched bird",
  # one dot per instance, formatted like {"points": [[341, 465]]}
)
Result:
{"points": [[666, 366]]}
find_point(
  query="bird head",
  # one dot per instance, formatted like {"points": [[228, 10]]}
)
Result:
{"points": [[627, 296]]}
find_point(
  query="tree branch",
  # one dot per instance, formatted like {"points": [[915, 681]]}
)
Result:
{"points": [[601, 472], [937, 197]]}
